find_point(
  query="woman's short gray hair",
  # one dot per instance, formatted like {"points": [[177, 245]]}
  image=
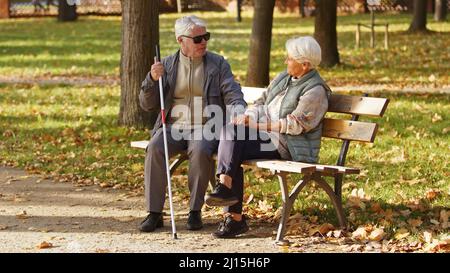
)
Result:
{"points": [[184, 25], [304, 49]]}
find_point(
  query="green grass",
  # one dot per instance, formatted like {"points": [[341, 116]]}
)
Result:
{"points": [[91, 47], [71, 132]]}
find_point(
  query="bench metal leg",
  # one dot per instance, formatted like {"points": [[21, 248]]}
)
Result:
{"points": [[177, 162], [335, 199], [212, 177], [288, 202], [338, 185]]}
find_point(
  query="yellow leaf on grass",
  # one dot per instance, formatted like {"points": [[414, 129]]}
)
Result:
{"points": [[264, 206], [401, 233], [436, 118], [377, 234], [137, 167]]}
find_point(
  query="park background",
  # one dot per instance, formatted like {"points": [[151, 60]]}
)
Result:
{"points": [[62, 91]]}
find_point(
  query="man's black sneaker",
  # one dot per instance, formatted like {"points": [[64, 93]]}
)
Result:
{"points": [[221, 196], [230, 228], [194, 221], [152, 222]]}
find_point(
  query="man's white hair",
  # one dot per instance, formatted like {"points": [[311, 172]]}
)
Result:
{"points": [[304, 49], [184, 25]]}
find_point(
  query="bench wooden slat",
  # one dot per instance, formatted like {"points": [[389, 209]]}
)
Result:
{"points": [[329, 169], [139, 144], [367, 106], [280, 165], [349, 130]]}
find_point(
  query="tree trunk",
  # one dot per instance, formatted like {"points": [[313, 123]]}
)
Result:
{"points": [[419, 21], [67, 12], [325, 31], [301, 8], [440, 10], [239, 9], [260, 43], [140, 34]]}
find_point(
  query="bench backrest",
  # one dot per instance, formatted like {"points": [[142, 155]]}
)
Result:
{"points": [[341, 128]]}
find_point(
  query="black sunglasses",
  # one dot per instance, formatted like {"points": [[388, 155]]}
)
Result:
{"points": [[198, 39]]}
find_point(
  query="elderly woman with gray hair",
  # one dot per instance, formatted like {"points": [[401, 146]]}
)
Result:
{"points": [[284, 123]]}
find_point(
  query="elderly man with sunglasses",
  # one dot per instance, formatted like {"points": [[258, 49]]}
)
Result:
{"points": [[193, 79]]}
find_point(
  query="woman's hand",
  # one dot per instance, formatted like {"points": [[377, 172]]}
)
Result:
{"points": [[241, 120]]}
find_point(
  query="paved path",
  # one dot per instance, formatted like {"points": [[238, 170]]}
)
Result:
{"points": [[95, 219]]}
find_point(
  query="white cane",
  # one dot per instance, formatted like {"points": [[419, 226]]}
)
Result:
{"points": [[166, 152]]}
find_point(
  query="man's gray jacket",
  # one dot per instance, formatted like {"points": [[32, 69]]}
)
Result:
{"points": [[219, 86]]}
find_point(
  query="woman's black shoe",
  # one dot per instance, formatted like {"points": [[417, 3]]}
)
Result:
{"points": [[221, 196], [230, 228], [152, 222]]}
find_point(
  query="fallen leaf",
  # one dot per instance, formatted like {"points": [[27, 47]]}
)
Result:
{"points": [[437, 245], [377, 234], [264, 205], [400, 158], [9, 133], [431, 194], [360, 234], [434, 222], [338, 233], [3, 227], [249, 199], [101, 250], [313, 219], [325, 228], [389, 214], [23, 215], [427, 236], [401, 233], [277, 214], [44, 245], [105, 185], [415, 222], [436, 118], [375, 207], [405, 212]]}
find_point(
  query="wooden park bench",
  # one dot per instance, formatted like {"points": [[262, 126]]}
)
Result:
{"points": [[343, 129]]}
